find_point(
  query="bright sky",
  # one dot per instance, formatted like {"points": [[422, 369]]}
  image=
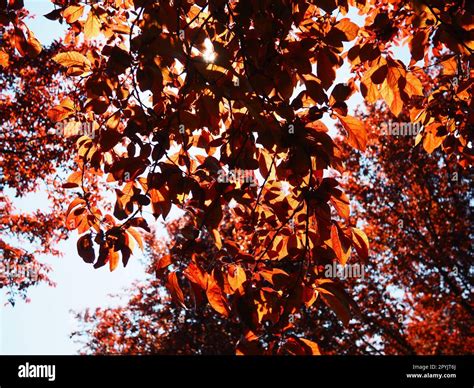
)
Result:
{"points": [[43, 326]]}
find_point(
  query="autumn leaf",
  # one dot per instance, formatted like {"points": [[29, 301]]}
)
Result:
{"points": [[71, 59], [349, 28], [92, 25], [34, 47], [4, 58], [361, 243], [336, 243], [449, 66], [196, 275], [325, 68], [379, 75], [73, 13], [431, 140], [19, 41], [413, 85], [340, 244], [61, 111], [74, 180], [163, 262], [313, 346], [216, 297], [357, 133], [137, 237], [114, 259], [53, 15], [217, 238], [336, 300], [341, 203], [76, 63], [76, 202], [390, 88], [86, 249], [236, 277], [175, 289], [157, 118], [417, 45]]}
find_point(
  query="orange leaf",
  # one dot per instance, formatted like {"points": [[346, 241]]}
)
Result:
{"points": [[337, 299], [175, 289], [340, 202], [450, 66], [137, 236], [431, 142], [73, 13], [33, 45], [72, 58], [336, 243], [418, 45], [61, 111], [357, 134], [413, 86], [163, 262], [113, 260], [312, 346], [216, 297], [74, 180], [196, 275], [74, 203], [217, 238], [361, 243], [236, 277], [4, 59], [92, 25], [349, 28], [390, 89], [325, 68], [309, 296]]}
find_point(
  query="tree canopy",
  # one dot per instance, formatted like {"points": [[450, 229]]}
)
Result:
{"points": [[223, 109]]}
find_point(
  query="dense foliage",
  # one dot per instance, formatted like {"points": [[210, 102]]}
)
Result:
{"points": [[220, 108]]}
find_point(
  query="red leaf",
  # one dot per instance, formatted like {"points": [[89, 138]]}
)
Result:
{"points": [[175, 289], [361, 243], [357, 134], [86, 249], [216, 297]]}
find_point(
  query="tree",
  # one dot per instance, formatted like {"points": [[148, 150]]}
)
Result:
{"points": [[216, 108], [414, 300], [153, 323], [30, 153], [417, 210]]}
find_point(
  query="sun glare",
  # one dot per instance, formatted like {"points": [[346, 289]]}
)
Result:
{"points": [[209, 54]]}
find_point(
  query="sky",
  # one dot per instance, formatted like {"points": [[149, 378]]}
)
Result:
{"points": [[43, 325]]}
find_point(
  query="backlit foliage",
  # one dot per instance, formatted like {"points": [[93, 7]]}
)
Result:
{"points": [[177, 91]]}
